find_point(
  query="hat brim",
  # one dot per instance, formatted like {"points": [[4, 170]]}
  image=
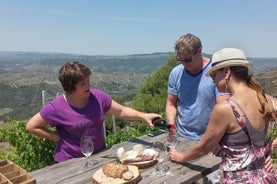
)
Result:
{"points": [[230, 63]]}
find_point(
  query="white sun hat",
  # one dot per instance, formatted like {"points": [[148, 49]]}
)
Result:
{"points": [[228, 57]]}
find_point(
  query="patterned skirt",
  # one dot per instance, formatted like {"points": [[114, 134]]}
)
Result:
{"points": [[260, 176], [246, 165]]}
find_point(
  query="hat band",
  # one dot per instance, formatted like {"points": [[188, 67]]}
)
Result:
{"points": [[227, 60]]}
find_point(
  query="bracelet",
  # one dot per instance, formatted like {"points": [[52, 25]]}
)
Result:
{"points": [[172, 126]]}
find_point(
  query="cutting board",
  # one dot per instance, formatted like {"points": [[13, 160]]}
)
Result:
{"points": [[100, 178]]}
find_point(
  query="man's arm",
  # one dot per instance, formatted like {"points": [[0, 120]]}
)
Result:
{"points": [[171, 108]]}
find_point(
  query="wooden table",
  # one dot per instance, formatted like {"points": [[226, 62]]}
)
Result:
{"points": [[73, 171]]}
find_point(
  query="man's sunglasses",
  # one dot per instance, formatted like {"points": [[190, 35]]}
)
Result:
{"points": [[185, 60]]}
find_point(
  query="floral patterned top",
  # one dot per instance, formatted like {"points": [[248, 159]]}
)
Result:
{"points": [[243, 162]]}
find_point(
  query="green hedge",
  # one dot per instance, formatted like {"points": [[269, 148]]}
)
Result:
{"points": [[28, 151]]}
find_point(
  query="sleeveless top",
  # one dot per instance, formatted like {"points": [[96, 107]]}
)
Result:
{"points": [[248, 135], [244, 153]]}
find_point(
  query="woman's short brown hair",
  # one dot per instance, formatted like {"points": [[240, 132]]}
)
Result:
{"points": [[71, 73]]}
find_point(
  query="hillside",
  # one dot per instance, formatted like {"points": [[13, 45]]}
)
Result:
{"points": [[269, 82], [23, 76]]}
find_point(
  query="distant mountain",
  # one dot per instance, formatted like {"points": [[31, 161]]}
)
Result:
{"points": [[48, 62], [23, 76], [37, 62]]}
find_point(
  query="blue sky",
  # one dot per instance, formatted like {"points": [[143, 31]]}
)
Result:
{"points": [[123, 27]]}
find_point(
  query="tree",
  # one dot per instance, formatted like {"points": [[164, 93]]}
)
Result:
{"points": [[153, 92]]}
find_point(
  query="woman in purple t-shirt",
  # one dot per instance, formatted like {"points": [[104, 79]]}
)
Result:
{"points": [[79, 111]]}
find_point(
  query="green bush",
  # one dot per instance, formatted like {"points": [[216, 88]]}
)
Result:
{"points": [[121, 135], [28, 151]]}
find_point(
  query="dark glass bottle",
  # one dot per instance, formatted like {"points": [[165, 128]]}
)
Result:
{"points": [[161, 123]]}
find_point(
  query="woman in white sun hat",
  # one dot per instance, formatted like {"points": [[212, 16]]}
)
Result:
{"points": [[239, 124]]}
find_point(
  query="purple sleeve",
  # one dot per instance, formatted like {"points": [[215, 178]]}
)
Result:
{"points": [[105, 98], [48, 112], [51, 111]]}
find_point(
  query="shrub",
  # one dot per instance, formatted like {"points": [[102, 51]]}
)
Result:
{"points": [[126, 134], [28, 151]]}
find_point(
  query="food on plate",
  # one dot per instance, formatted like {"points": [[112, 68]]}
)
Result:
{"points": [[127, 175], [117, 170], [121, 153], [130, 176], [138, 148], [137, 154]]}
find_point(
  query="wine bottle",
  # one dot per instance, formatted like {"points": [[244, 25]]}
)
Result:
{"points": [[161, 123]]}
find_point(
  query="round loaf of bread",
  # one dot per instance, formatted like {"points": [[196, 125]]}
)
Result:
{"points": [[114, 169], [132, 176]]}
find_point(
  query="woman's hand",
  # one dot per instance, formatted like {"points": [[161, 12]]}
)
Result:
{"points": [[148, 117], [269, 164], [274, 144]]}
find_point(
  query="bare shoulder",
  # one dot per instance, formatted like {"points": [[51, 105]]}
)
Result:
{"points": [[221, 110], [221, 116]]}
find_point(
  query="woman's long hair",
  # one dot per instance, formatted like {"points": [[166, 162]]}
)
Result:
{"points": [[241, 73]]}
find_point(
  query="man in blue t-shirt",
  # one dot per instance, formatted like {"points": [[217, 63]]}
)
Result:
{"points": [[191, 94]]}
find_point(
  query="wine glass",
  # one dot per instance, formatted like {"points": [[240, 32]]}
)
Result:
{"points": [[87, 147], [171, 139], [161, 169]]}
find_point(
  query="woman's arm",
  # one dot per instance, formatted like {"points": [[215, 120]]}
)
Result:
{"points": [[273, 102], [37, 126], [131, 114], [216, 128]]}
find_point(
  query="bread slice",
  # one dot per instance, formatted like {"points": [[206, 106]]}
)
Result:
{"points": [[127, 175], [100, 178]]}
